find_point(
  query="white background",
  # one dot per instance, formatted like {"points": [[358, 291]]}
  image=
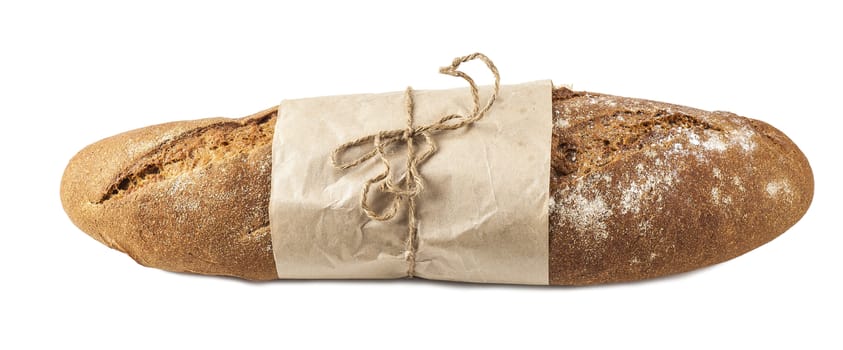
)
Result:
{"points": [[73, 72]]}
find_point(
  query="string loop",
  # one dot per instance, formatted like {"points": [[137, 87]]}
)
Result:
{"points": [[411, 183]]}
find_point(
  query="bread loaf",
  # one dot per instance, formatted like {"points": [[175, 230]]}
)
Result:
{"points": [[638, 189]]}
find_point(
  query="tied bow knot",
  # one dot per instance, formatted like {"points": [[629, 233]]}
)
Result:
{"points": [[411, 184]]}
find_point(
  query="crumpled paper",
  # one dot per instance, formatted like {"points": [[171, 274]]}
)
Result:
{"points": [[483, 214]]}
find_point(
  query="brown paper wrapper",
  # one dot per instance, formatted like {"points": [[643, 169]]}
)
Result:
{"points": [[482, 216]]}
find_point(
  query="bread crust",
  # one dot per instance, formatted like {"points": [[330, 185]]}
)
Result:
{"points": [[639, 189], [660, 189], [188, 196]]}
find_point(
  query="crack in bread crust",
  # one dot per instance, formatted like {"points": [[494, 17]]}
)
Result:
{"points": [[198, 147], [586, 146]]}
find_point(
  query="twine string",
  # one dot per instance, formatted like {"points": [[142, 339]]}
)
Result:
{"points": [[411, 183]]}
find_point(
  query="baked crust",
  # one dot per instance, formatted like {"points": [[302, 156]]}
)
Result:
{"points": [[658, 189], [639, 189], [188, 196]]}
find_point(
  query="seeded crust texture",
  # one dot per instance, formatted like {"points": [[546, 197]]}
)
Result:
{"points": [[638, 189]]}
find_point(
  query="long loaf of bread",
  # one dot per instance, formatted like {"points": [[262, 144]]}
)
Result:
{"points": [[638, 189]]}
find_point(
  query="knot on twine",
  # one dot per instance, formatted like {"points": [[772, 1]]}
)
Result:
{"points": [[410, 184]]}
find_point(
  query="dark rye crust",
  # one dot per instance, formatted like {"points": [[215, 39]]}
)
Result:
{"points": [[639, 189]]}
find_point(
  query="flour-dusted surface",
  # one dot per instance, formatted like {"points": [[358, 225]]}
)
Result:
{"points": [[643, 189]]}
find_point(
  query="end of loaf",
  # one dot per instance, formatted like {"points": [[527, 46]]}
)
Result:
{"points": [[181, 196], [659, 189]]}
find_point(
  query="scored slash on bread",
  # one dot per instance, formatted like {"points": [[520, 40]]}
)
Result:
{"points": [[638, 189]]}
